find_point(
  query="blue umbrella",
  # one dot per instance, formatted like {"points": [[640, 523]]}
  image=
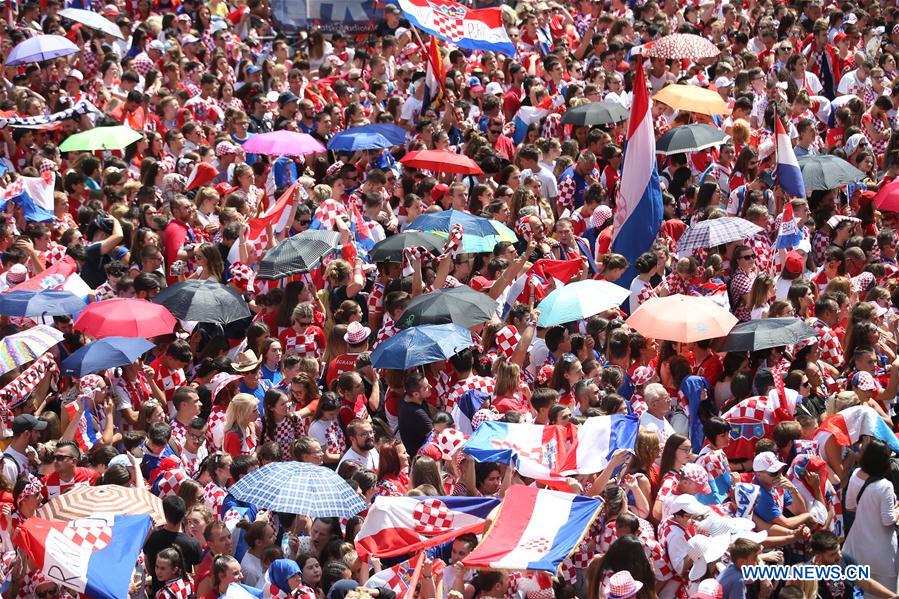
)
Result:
{"points": [[299, 488], [580, 300], [368, 137], [479, 234], [45, 302], [423, 344], [105, 353], [40, 48]]}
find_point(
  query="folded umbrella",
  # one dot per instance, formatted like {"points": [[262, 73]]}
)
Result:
{"points": [[479, 234], [441, 161], [40, 48], [368, 137], [682, 318], [459, 305], [125, 317], [104, 353], [595, 113], [29, 345], [117, 137], [391, 249], [767, 332], [297, 254], [690, 138], [423, 344], [714, 232], [579, 300], [826, 171], [299, 488], [283, 143], [203, 301], [45, 302], [92, 19], [692, 99]]}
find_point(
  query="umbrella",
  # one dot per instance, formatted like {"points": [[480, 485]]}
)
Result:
{"points": [[21, 348], [84, 501], [203, 301], [425, 344], [576, 301], [682, 318], [886, 199], [460, 305], [300, 253], [767, 332], [682, 45], [368, 137], [690, 138], [45, 302], [40, 48], [117, 137], [103, 354], [93, 20], [442, 161], [479, 234], [714, 232], [126, 318], [595, 113], [391, 249], [692, 99], [283, 143], [299, 488], [826, 171]]}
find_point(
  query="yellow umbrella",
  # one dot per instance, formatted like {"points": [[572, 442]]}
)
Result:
{"points": [[692, 99]]}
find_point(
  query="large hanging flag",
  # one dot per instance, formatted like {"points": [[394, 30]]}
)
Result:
{"points": [[536, 529], [789, 175], [403, 525], [638, 209], [86, 555], [850, 424], [474, 29], [788, 233], [435, 76], [543, 277]]}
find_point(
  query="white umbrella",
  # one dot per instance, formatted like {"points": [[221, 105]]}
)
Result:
{"points": [[93, 20]]}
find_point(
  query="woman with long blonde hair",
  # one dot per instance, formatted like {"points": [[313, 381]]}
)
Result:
{"points": [[240, 425]]}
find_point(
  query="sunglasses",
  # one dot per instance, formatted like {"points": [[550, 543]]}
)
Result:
{"points": [[305, 222], [48, 593], [495, 131], [62, 458], [748, 257]]}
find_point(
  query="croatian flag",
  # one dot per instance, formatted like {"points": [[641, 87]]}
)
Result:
{"points": [[526, 116], [85, 434], [464, 409], [536, 529], [403, 525], [849, 425], [34, 195], [638, 210], [237, 590], [543, 275], [788, 234], [87, 554], [403, 577], [480, 29], [276, 217], [789, 175]]}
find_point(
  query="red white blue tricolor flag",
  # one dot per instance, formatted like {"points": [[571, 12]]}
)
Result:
{"points": [[536, 529], [789, 175], [638, 208], [474, 29]]}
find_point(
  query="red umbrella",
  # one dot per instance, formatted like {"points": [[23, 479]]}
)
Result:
{"points": [[125, 318], [682, 45], [442, 161], [888, 197]]}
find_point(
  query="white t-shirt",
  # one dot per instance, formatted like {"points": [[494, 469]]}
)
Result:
{"points": [[370, 461], [251, 568], [659, 425], [411, 110], [548, 185]]}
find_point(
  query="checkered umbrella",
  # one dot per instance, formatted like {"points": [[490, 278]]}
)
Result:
{"points": [[27, 346], [203, 301], [84, 501], [299, 488], [297, 254], [682, 45], [714, 232]]}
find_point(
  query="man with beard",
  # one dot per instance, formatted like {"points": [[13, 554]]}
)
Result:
{"points": [[362, 445]]}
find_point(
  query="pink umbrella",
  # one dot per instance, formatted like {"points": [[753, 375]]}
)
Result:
{"points": [[682, 45], [683, 318], [283, 143]]}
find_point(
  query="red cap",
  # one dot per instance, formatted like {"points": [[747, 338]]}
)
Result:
{"points": [[866, 197], [794, 263], [224, 188], [839, 37], [438, 191], [480, 283]]}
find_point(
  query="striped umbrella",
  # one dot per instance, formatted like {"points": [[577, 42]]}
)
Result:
{"points": [[682, 45], [27, 346], [714, 232], [83, 501]]}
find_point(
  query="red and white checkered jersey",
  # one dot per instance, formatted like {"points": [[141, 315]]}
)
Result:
{"points": [[53, 486]]}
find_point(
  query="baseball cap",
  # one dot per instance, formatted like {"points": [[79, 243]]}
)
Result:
{"points": [[708, 589], [480, 283], [392, 9], [493, 88], [252, 70], [157, 45], [120, 460], [76, 74], [286, 98], [864, 381], [183, 17], [26, 422], [189, 39], [697, 474], [723, 82], [475, 84], [794, 263], [767, 462]]}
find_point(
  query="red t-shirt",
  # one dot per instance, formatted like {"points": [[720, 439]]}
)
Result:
{"points": [[339, 365], [711, 369], [53, 486]]}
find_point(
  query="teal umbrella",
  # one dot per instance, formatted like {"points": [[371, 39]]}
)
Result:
{"points": [[479, 234], [576, 301], [101, 138]]}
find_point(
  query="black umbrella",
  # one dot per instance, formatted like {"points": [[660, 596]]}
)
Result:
{"points": [[391, 249], [767, 332], [826, 171], [595, 113], [459, 305], [300, 253], [690, 138], [203, 301]]}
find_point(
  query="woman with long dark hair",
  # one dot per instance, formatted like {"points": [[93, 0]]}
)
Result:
{"points": [[675, 455], [628, 554], [280, 422]]}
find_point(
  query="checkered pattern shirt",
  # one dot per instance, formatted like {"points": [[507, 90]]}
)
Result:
{"points": [[53, 486], [169, 380], [176, 589], [764, 253], [714, 461], [286, 432], [179, 432], [646, 293], [831, 350], [740, 284], [143, 64], [388, 330], [820, 242], [213, 496], [215, 428], [311, 342], [675, 284], [668, 485], [480, 383], [376, 299], [104, 292], [335, 441]]}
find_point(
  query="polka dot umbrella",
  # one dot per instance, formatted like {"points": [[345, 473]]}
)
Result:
{"points": [[682, 45]]}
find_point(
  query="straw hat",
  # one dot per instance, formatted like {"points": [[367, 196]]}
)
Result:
{"points": [[246, 361]]}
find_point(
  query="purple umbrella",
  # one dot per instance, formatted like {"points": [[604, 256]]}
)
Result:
{"points": [[283, 143], [40, 48]]}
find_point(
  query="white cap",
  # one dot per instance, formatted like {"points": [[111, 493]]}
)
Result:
{"points": [[494, 88], [76, 74], [120, 460], [400, 31], [723, 82], [767, 462], [157, 45], [684, 503]]}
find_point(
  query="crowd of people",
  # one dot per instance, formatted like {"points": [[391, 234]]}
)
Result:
{"points": [[209, 404]]}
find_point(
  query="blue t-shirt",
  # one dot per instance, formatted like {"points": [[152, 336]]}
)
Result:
{"points": [[732, 583], [272, 377], [258, 392], [767, 508]]}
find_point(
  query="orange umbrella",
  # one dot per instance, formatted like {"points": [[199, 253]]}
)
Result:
{"points": [[682, 318], [692, 99], [82, 502]]}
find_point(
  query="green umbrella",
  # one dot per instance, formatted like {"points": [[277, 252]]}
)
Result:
{"points": [[101, 138]]}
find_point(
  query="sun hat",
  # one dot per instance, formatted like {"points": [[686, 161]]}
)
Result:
{"points": [[246, 361], [356, 333], [698, 475], [622, 585], [704, 550]]}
